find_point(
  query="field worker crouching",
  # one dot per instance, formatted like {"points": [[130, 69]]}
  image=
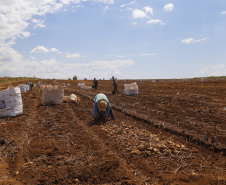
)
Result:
{"points": [[102, 108]]}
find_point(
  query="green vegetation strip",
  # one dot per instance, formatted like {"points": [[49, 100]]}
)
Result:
{"points": [[5, 80]]}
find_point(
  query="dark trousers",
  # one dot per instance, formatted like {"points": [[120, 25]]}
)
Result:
{"points": [[116, 89], [101, 116], [94, 86], [111, 114]]}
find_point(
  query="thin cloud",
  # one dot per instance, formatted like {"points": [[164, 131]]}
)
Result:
{"points": [[53, 50], [155, 21], [223, 13], [139, 14], [143, 54], [70, 1], [25, 34], [134, 23], [191, 40], [42, 49], [100, 69], [109, 64], [169, 7], [123, 5], [148, 10], [105, 1], [217, 70], [106, 8], [75, 55], [38, 23]]}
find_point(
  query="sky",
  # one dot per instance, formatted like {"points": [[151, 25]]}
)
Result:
{"points": [[128, 39]]}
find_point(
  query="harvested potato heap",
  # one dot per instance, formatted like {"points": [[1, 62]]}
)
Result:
{"points": [[139, 141]]}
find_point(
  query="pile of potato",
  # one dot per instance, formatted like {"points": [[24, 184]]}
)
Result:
{"points": [[139, 141]]}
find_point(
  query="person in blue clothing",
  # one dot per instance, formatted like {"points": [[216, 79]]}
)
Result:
{"points": [[30, 85], [102, 108]]}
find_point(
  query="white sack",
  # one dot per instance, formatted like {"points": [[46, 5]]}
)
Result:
{"points": [[24, 87], [130, 89], [80, 85], [52, 95], [86, 87], [71, 98], [11, 102]]}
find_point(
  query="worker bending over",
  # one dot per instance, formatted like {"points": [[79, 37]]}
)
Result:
{"points": [[102, 108]]}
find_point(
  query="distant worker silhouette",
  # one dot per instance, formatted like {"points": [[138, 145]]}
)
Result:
{"points": [[95, 84], [115, 85]]}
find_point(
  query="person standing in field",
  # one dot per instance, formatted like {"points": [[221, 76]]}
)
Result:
{"points": [[102, 108], [30, 85], [115, 85], [95, 84]]}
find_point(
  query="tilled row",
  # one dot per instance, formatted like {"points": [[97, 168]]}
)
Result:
{"points": [[156, 156], [60, 145], [190, 135]]}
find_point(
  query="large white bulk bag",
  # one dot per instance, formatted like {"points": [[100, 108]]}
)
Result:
{"points": [[52, 95], [80, 85], [86, 87], [24, 87], [203, 80], [130, 89], [11, 102]]}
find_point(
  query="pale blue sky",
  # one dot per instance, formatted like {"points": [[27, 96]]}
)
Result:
{"points": [[150, 39]]}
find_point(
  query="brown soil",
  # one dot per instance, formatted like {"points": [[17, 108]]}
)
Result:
{"points": [[172, 132]]}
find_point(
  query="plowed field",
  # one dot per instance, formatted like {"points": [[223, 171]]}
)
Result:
{"points": [[172, 132]]}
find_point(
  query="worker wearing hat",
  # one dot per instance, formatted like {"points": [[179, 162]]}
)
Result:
{"points": [[102, 106]]}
